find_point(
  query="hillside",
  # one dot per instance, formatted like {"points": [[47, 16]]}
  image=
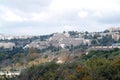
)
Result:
{"points": [[68, 50], [98, 65]]}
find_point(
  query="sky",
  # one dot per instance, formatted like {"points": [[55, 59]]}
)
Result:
{"points": [[39, 17]]}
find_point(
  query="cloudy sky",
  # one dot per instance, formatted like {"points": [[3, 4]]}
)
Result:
{"points": [[37, 17]]}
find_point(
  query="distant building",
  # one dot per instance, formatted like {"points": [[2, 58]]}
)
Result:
{"points": [[62, 40], [114, 29], [37, 44], [7, 45], [115, 36]]}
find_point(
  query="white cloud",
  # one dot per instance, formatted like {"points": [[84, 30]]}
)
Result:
{"points": [[43, 16], [10, 16], [58, 8], [14, 15], [83, 14], [98, 14], [55, 13], [69, 28], [61, 5], [93, 8]]}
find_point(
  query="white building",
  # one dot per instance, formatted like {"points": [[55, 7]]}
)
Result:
{"points": [[7, 44]]}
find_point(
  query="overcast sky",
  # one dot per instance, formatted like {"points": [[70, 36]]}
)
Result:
{"points": [[38, 17]]}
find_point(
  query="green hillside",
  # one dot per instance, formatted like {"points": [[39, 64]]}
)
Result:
{"points": [[97, 65]]}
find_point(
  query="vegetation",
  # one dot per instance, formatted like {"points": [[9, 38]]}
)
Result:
{"points": [[97, 65]]}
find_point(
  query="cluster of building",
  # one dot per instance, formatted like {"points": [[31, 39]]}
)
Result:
{"points": [[62, 40], [114, 29], [7, 45], [9, 74], [114, 35], [103, 47], [113, 32], [37, 44], [9, 37]]}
